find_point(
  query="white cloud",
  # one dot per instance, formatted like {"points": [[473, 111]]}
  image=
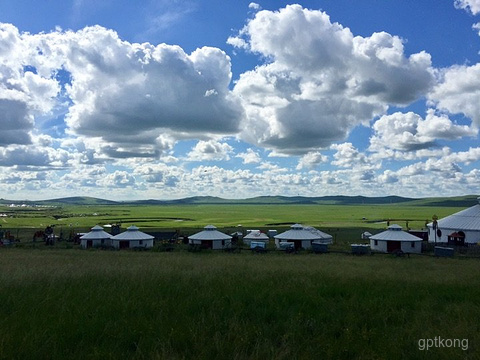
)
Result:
{"points": [[320, 81], [347, 156], [310, 160], [269, 167], [409, 132], [160, 174], [23, 93], [476, 27], [128, 94], [388, 177], [117, 179], [32, 156], [473, 6], [458, 91], [210, 150], [249, 157]]}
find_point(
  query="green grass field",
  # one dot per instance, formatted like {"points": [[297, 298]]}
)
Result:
{"points": [[63, 302], [75, 304], [190, 218]]}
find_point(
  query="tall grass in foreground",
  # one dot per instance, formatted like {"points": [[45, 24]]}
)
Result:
{"points": [[92, 304]]}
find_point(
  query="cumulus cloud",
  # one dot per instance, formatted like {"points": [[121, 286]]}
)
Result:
{"points": [[128, 94], [160, 174], [476, 27], [409, 132], [23, 92], [458, 91], [249, 157], [320, 80], [310, 160], [348, 156], [210, 150], [473, 6], [117, 179], [388, 177], [22, 156]]}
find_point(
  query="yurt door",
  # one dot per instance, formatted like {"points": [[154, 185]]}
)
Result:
{"points": [[393, 246]]}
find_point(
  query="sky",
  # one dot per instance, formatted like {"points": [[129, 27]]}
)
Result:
{"points": [[168, 99]]}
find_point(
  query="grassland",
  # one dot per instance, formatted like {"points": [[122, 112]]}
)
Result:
{"points": [[63, 302], [77, 304], [190, 218]]}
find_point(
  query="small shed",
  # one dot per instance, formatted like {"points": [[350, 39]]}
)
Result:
{"points": [[132, 238], [302, 237], [95, 238], [395, 239], [211, 238], [256, 236], [366, 235]]}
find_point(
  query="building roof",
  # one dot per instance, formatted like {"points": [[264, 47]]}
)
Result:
{"points": [[394, 233], [298, 232], [468, 219], [210, 232], [97, 233], [132, 233], [256, 235]]}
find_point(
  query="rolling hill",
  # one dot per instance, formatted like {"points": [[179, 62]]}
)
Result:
{"points": [[458, 201]]}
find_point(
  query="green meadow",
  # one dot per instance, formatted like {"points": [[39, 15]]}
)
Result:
{"points": [[63, 302], [74, 304], [190, 218]]}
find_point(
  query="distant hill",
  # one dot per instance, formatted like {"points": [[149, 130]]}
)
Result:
{"points": [[74, 200], [459, 201]]}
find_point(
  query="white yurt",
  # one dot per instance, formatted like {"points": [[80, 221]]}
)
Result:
{"points": [[461, 228], [95, 238], [395, 239], [132, 238], [256, 236], [302, 237], [211, 238]]}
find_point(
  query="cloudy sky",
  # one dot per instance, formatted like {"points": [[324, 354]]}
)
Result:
{"points": [[172, 98]]}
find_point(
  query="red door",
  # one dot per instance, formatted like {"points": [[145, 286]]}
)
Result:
{"points": [[393, 246]]}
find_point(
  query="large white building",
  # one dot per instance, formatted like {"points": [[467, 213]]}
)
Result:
{"points": [[302, 237], [211, 238], [132, 238], [95, 238], [395, 239], [461, 228]]}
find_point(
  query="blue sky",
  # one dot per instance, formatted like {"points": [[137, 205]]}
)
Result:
{"points": [[168, 99]]}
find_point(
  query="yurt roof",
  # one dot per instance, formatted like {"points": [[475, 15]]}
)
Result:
{"points": [[256, 235], [298, 232], [395, 233], [97, 233], [468, 219], [132, 233], [210, 232]]}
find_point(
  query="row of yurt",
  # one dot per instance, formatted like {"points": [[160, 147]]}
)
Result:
{"points": [[132, 238], [302, 237], [461, 228]]}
